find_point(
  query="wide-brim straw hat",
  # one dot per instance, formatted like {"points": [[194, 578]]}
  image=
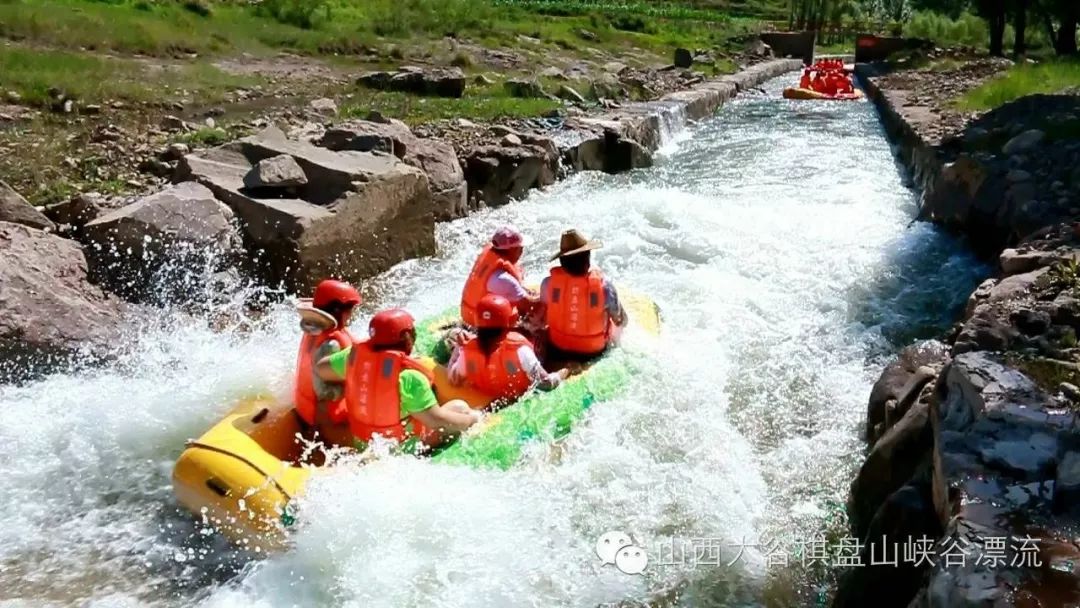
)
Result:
{"points": [[312, 316], [573, 242]]}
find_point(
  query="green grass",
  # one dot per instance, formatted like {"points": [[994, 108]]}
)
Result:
{"points": [[1021, 80], [1047, 373], [149, 53], [94, 79], [166, 28], [205, 136], [481, 105], [664, 10]]}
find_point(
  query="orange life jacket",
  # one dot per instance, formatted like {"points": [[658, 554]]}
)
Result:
{"points": [[804, 82], [304, 398], [476, 285], [372, 395], [576, 316], [499, 375]]}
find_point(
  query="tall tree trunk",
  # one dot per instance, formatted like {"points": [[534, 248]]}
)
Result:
{"points": [[1048, 23], [997, 30], [1020, 26], [1065, 44]]}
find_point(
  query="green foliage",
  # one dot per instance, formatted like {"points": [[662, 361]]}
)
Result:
{"points": [[1023, 79], [951, 8], [199, 7], [1064, 275], [610, 8], [462, 59], [299, 13], [441, 17], [966, 29], [206, 136], [632, 23]]}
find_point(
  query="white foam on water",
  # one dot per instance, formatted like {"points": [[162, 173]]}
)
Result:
{"points": [[673, 129], [775, 241]]}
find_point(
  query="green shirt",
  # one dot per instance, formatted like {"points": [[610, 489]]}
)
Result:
{"points": [[414, 389]]}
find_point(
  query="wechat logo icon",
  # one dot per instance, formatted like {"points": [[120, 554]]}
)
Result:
{"points": [[615, 547]]}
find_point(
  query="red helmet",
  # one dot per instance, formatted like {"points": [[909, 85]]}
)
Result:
{"points": [[330, 291], [495, 312], [506, 238], [387, 326]]}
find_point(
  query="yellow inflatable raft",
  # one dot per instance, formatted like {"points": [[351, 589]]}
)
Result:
{"points": [[240, 476], [798, 93]]}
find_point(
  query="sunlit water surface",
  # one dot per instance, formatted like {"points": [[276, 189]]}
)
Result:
{"points": [[777, 240]]}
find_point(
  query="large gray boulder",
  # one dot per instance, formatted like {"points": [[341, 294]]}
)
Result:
{"points": [[899, 379], [891, 464], [358, 215], [607, 151], [980, 386], [275, 172], [524, 88], [15, 209], [440, 82], [76, 212], [683, 58], [49, 310], [162, 246], [1067, 484], [906, 516], [434, 156], [499, 173]]}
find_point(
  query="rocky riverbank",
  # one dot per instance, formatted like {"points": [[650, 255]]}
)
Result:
{"points": [[968, 494], [995, 176], [285, 208]]}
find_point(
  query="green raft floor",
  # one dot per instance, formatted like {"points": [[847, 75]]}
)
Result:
{"points": [[539, 416]]}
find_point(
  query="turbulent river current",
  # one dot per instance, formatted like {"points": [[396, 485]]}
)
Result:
{"points": [[777, 239]]}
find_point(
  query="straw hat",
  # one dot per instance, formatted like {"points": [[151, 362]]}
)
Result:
{"points": [[312, 318], [573, 242]]}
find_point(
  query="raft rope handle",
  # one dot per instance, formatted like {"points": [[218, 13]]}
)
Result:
{"points": [[196, 444]]}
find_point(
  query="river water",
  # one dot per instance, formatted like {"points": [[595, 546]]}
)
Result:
{"points": [[777, 239]]}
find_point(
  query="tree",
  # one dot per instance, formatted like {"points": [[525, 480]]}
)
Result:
{"points": [[1065, 43], [1020, 11], [952, 8], [896, 10], [994, 11], [1065, 13]]}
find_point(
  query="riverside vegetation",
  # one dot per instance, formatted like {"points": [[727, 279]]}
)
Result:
{"points": [[67, 67]]}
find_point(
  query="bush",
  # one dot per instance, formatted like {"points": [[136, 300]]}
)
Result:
{"points": [[966, 30], [199, 7], [443, 17], [462, 60], [300, 13], [630, 23]]}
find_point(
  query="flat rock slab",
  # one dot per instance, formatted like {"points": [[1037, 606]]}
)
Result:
{"points": [[1028, 458], [359, 213], [435, 157]]}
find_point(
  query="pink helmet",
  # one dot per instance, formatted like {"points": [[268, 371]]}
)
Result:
{"points": [[507, 238]]}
